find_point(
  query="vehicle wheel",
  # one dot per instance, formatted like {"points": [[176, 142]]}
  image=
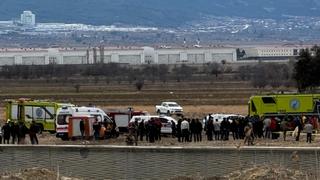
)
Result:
{"points": [[64, 138]]}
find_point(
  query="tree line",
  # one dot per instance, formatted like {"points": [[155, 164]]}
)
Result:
{"points": [[301, 72]]}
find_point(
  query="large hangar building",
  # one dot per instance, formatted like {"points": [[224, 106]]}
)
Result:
{"points": [[125, 55]]}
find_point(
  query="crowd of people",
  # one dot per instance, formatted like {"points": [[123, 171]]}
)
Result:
{"points": [[15, 133], [185, 130], [238, 128]]}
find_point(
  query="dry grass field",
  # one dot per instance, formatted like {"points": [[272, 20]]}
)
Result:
{"points": [[126, 94], [197, 98]]}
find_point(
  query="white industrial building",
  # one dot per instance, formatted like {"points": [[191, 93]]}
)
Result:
{"points": [[130, 55], [28, 18], [272, 51]]}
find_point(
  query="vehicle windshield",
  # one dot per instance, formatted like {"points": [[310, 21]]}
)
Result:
{"points": [[173, 105], [63, 119]]}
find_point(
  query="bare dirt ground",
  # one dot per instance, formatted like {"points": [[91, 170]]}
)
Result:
{"points": [[34, 174], [253, 173], [257, 173]]}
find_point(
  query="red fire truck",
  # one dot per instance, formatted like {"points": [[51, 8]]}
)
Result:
{"points": [[123, 116]]}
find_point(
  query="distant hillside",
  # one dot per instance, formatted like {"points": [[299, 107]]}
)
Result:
{"points": [[153, 12]]}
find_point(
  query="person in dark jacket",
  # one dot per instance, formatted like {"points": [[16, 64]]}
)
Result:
{"points": [[96, 128], [193, 128], [209, 129], [198, 130], [81, 126], [173, 129], [6, 133], [141, 130], [13, 131], [33, 133], [179, 134], [152, 130], [22, 131]]}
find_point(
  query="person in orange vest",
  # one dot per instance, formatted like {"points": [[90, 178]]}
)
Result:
{"points": [[102, 132]]}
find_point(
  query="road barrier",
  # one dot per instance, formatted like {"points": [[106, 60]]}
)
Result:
{"points": [[152, 162]]}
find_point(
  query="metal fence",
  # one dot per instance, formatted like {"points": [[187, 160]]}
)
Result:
{"points": [[121, 162]]}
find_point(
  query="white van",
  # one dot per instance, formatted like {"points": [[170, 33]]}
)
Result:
{"points": [[165, 121], [64, 113]]}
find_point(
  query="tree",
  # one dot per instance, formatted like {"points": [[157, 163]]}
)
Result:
{"points": [[307, 68], [139, 84], [259, 78], [77, 87]]}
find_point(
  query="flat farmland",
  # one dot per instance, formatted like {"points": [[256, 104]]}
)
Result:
{"points": [[197, 98], [187, 93]]}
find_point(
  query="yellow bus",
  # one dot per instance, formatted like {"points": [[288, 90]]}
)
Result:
{"points": [[284, 104], [43, 112]]}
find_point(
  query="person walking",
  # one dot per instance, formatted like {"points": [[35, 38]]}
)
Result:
{"points": [[308, 129], [6, 133], [33, 133]]}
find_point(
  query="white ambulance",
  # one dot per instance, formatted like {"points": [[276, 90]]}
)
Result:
{"points": [[64, 113]]}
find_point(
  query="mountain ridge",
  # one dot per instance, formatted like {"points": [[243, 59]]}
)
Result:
{"points": [[164, 13]]}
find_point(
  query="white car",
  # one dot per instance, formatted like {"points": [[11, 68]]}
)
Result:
{"points": [[169, 108], [165, 121], [220, 117]]}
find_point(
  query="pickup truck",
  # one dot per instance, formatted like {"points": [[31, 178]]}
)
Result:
{"points": [[169, 108]]}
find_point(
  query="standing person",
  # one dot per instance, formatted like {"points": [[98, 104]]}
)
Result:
{"points": [[33, 133], [266, 127], [298, 125], [216, 126], [147, 130], [193, 130], [284, 127], [12, 131], [141, 129], [81, 126], [6, 133], [234, 129], [248, 134], [225, 126], [158, 126], [1, 136], [308, 128], [198, 130], [185, 130], [96, 128], [173, 129], [152, 129], [22, 133], [210, 129], [179, 133]]}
